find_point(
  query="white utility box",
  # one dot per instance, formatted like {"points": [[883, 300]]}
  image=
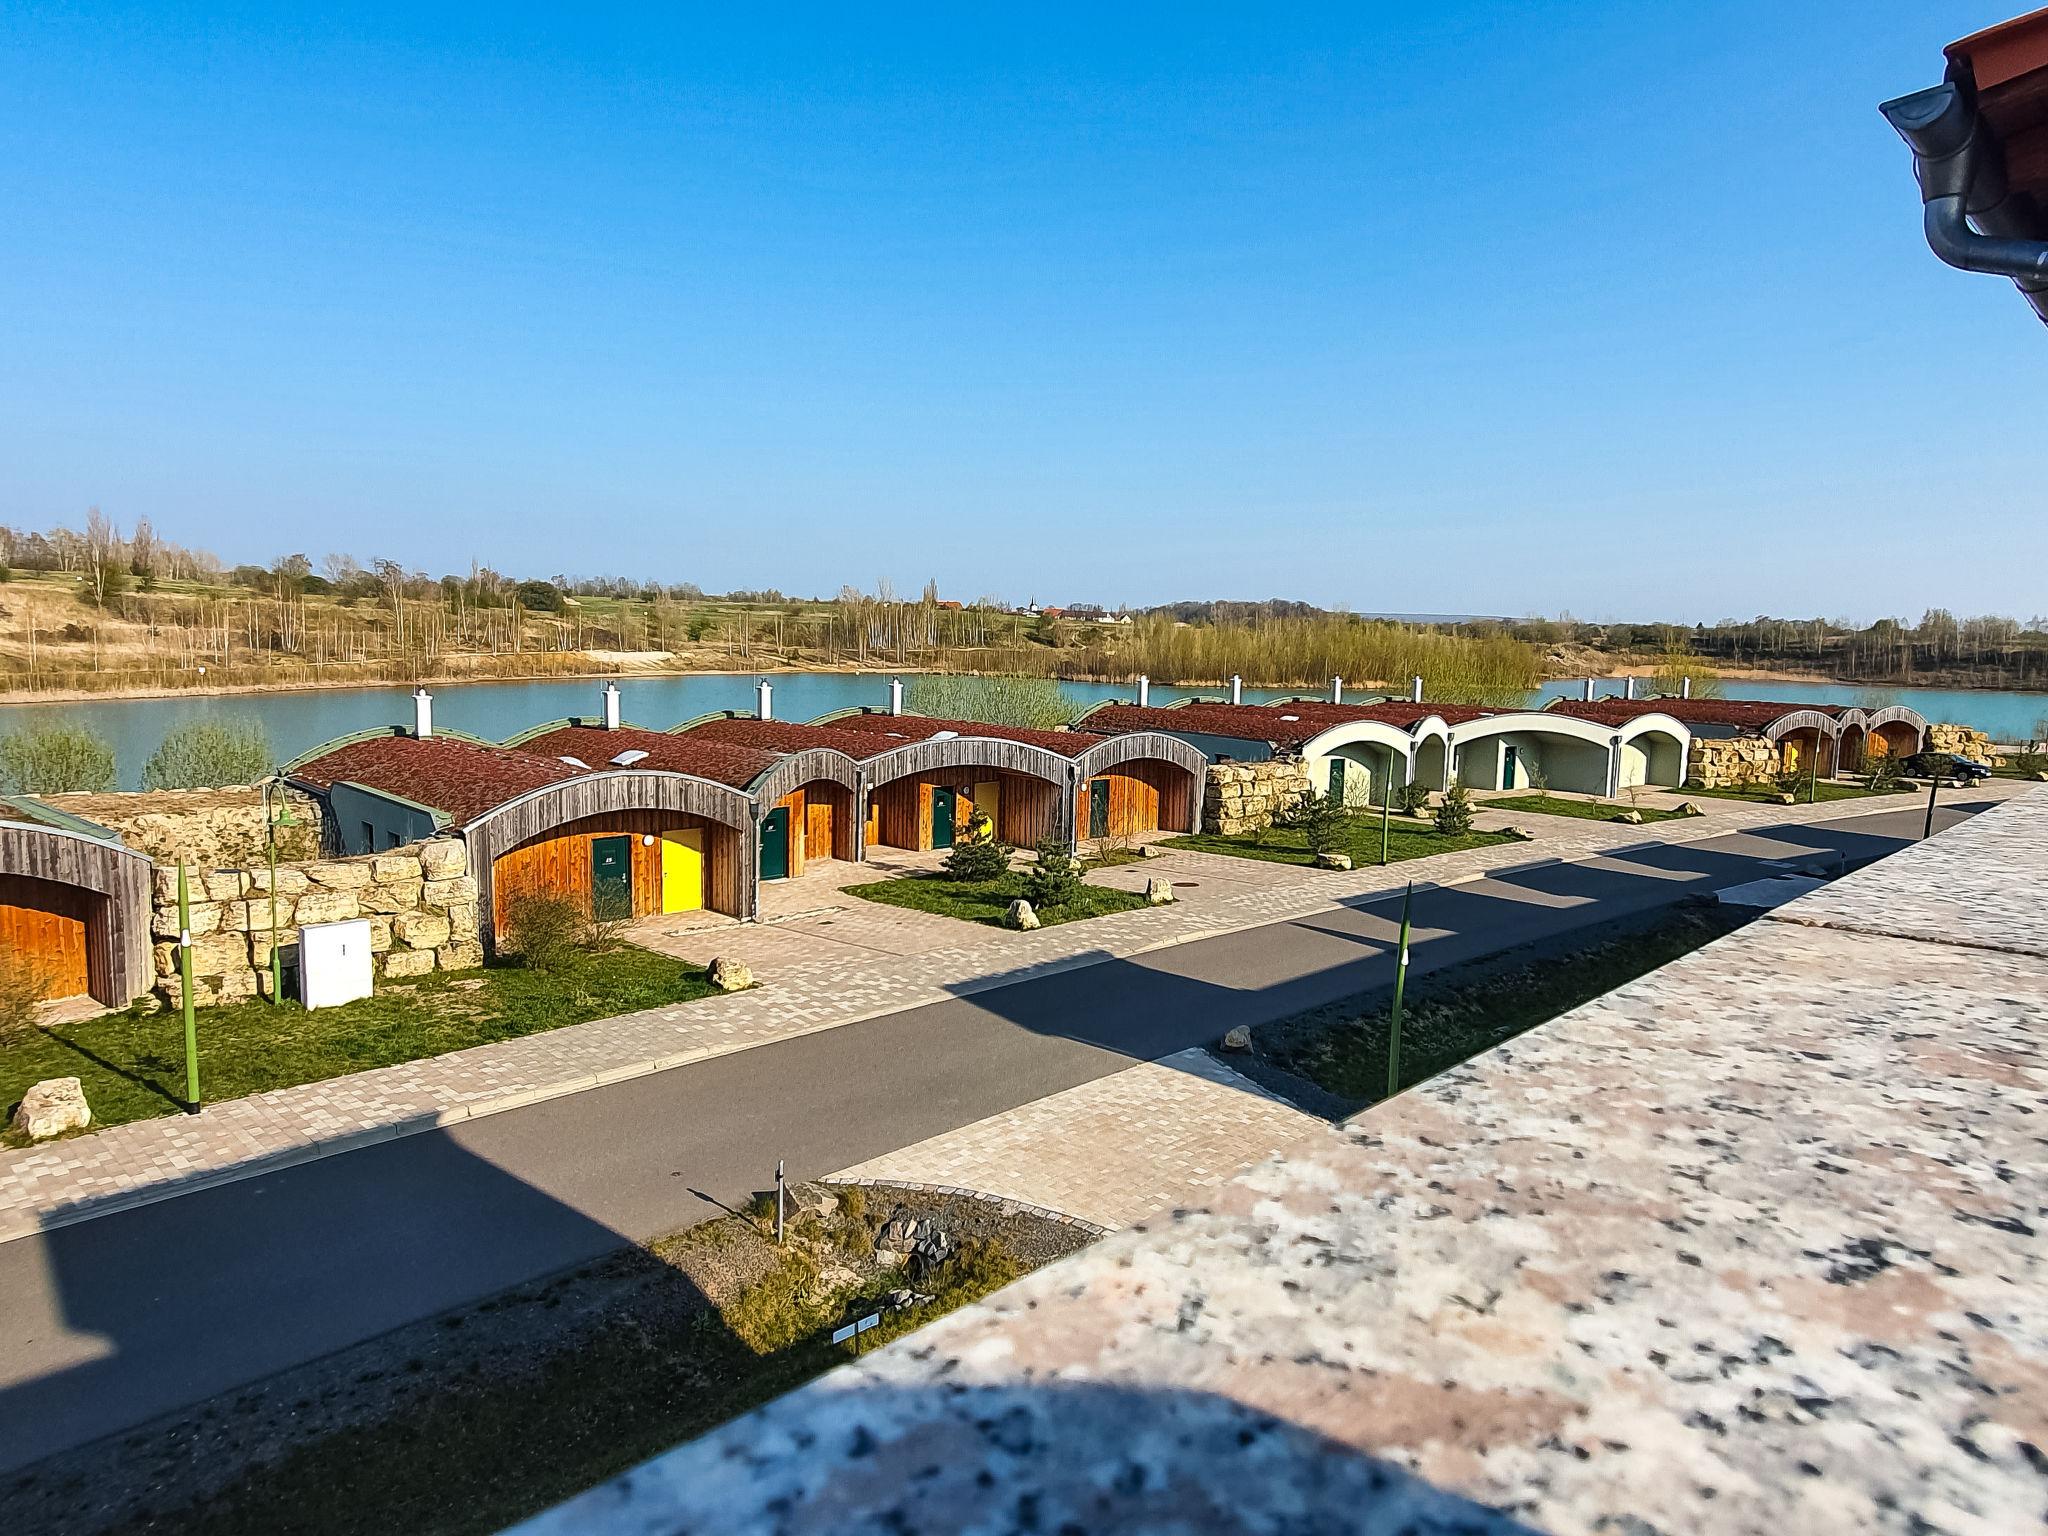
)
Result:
{"points": [[334, 962]]}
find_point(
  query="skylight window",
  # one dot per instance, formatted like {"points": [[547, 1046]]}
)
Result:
{"points": [[628, 758], [573, 762]]}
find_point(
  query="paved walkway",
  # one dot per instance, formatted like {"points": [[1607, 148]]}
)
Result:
{"points": [[1111, 1151], [810, 983]]}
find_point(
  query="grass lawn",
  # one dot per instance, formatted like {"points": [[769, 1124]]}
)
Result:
{"points": [[1767, 794], [133, 1065], [1585, 810], [986, 901], [1445, 1019], [1359, 837]]}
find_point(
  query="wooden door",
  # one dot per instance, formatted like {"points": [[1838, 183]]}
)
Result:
{"points": [[611, 877], [682, 870], [818, 828]]}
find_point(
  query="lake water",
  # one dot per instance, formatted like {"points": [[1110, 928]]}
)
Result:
{"points": [[299, 721]]}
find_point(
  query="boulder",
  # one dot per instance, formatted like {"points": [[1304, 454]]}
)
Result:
{"points": [[420, 930], [403, 896], [1633, 818], [444, 860], [462, 955], [1519, 834], [52, 1107], [340, 875], [1333, 861], [1239, 1039], [899, 1233], [326, 907], [455, 891], [205, 916], [728, 975], [223, 884], [1690, 808], [408, 962], [1158, 893], [290, 882], [1020, 915], [395, 868], [1787, 798], [809, 1200]]}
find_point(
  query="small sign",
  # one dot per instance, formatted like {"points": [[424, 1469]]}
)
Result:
{"points": [[841, 1335], [873, 1319]]}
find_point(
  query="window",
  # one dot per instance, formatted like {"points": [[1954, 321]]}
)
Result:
{"points": [[369, 838]]}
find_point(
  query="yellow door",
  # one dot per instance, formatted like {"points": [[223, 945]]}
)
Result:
{"points": [[988, 799], [682, 870]]}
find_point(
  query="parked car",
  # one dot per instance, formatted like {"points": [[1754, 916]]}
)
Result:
{"points": [[1945, 768]]}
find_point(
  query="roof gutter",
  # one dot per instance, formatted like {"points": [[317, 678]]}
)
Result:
{"points": [[1972, 219]]}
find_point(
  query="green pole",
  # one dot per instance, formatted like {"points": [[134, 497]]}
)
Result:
{"points": [[185, 990], [276, 963], [1386, 815], [1400, 983]]}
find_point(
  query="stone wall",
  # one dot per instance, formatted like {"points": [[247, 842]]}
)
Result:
{"points": [[209, 828], [1943, 736], [1723, 762], [1245, 797], [420, 901]]}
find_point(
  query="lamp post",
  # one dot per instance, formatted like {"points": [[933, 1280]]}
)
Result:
{"points": [[1400, 984], [272, 820]]}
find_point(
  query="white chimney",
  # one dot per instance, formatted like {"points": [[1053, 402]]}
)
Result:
{"points": [[1416, 694], [1236, 689], [1144, 690], [1628, 687], [764, 700], [422, 714], [1336, 690], [1685, 687], [611, 706], [895, 695], [1591, 687]]}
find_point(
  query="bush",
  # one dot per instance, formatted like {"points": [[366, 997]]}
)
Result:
{"points": [[985, 859], [1320, 820], [1414, 797], [1539, 781], [205, 754], [1036, 703], [1052, 882], [22, 986], [53, 759], [1454, 811], [539, 596], [549, 932], [1885, 773]]}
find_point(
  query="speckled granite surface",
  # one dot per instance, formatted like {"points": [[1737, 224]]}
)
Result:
{"points": [[1752, 1245]]}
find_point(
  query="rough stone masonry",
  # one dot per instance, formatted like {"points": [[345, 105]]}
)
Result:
{"points": [[421, 903]]}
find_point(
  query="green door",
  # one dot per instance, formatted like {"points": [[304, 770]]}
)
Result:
{"points": [[944, 803], [611, 878], [1508, 764], [1337, 779], [775, 844], [1098, 807]]}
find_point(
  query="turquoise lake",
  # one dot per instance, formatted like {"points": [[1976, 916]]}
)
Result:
{"points": [[298, 721]]}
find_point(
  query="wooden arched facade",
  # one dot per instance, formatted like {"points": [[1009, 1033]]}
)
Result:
{"points": [[77, 907], [645, 840], [807, 808], [1144, 781], [910, 790]]}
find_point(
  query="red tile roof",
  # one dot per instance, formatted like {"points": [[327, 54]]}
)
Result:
{"points": [[459, 777], [779, 735], [722, 762], [901, 728]]}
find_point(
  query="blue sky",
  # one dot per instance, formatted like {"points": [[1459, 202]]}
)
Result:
{"points": [[1609, 308]]}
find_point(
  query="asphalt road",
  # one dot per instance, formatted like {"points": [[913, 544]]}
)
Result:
{"points": [[115, 1321]]}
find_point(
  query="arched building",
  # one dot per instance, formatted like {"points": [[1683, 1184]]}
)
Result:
{"points": [[74, 904]]}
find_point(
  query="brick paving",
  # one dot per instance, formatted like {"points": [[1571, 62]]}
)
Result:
{"points": [[834, 967], [1111, 1151]]}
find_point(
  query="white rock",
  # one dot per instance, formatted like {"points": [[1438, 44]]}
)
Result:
{"points": [[1633, 818], [1333, 861], [52, 1107], [1020, 915], [1239, 1039], [728, 975], [1158, 892]]}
